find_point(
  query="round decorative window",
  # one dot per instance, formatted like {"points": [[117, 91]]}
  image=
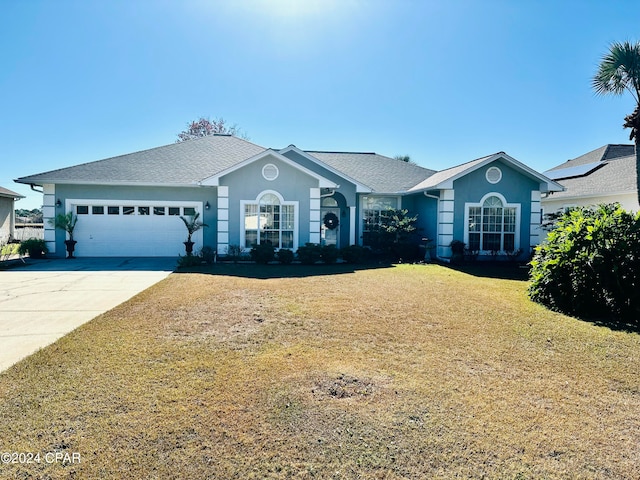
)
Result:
{"points": [[494, 175], [270, 171]]}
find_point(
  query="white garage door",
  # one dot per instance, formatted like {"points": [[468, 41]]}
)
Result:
{"points": [[132, 228]]}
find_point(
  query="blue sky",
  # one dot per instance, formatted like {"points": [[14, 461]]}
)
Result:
{"points": [[442, 81]]}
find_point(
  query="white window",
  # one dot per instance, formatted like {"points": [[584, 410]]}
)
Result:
{"points": [[269, 220], [374, 210], [492, 225]]}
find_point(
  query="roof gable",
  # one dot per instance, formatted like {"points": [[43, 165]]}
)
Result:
{"points": [[214, 180], [444, 179]]}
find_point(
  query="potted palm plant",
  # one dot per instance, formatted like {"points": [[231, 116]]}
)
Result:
{"points": [[193, 225], [67, 222]]}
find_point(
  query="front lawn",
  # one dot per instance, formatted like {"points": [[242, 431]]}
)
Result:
{"points": [[412, 371]]}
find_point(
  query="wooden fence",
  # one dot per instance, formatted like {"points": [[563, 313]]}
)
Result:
{"points": [[24, 231]]}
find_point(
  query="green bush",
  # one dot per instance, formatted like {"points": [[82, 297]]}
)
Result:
{"points": [[329, 254], [234, 252], [354, 254], [309, 254], [189, 261], [208, 254], [35, 247], [457, 251], [285, 256], [394, 234], [590, 264], [263, 253]]}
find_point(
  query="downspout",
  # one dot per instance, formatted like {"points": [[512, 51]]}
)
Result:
{"points": [[331, 192], [33, 187], [437, 197]]}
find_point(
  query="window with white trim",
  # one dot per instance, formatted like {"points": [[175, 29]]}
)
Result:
{"points": [[269, 221], [492, 226], [374, 210]]}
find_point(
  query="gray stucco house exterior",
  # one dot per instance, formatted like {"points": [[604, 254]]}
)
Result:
{"points": [[130, 205]]}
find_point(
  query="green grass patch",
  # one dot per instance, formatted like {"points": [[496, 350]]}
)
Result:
{"points": [[413, 371], [9, 249]]}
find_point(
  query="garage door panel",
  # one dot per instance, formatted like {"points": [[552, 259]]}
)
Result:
{"points": [[132, 235]]}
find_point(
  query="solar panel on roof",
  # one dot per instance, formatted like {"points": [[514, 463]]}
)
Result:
{"points": [[569, 172]]}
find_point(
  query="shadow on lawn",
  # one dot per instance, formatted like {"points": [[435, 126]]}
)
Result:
{"points": [[263, 272], [497, 270], [253, 270], [511, 271]]}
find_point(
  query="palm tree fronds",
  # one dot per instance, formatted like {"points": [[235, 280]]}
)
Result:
{"points": [[619, 70], [193, 224]]}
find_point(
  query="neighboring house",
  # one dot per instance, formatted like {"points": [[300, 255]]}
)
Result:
{"points": [[7, 214], [247, 194], [604, 175]]}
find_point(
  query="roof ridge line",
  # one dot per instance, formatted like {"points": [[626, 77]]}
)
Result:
{"points": [[336, 151]]}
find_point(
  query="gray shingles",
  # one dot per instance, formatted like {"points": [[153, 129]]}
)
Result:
{"points": [[182, 163], [381, 174], [618, 151], [606, 152], [5, 192], [189, 162], [444, 175], [617, 174]]}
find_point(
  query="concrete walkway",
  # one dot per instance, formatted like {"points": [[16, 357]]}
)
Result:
{"points": [[44, 300]]}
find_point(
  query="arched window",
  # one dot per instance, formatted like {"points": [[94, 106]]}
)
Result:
{"points": [[269, 221], [329, 202], [492, 226]]}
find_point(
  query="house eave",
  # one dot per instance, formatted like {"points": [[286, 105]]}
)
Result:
{"points": [[15, 196], [591, 195], [214, 180], [43, 182]]}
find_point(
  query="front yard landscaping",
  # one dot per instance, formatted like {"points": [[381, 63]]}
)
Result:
{"points": [[407, 371]]}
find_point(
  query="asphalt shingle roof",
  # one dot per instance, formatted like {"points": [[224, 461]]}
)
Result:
{"points": [[444, 175], [181, 163], [381, 174], [188, 163], [616, 175], [5, 192], [606, 152]]}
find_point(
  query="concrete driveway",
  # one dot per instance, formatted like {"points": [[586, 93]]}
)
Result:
{"points": [[46, 299]]}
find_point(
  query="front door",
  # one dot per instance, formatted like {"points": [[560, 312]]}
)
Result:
{"points": [[330, 226]]}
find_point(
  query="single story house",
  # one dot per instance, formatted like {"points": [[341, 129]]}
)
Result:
{"points": [[7, 214], [247, 194], [604, 175]]}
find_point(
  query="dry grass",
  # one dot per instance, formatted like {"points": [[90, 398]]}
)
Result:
{"points": [[404, 372]]}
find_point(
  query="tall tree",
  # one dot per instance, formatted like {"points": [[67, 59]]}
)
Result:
{"points": [[619, 72], [403, 158], [204, 127]]}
